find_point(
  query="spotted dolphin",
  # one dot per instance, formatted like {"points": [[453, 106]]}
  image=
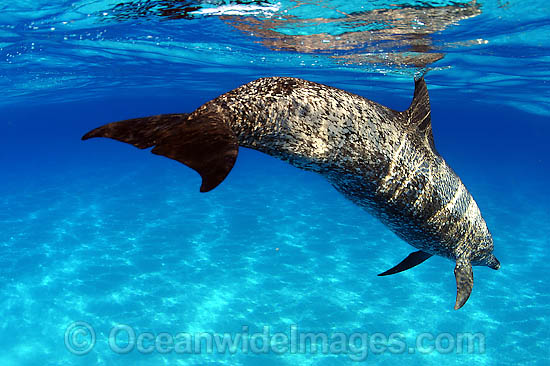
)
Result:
{"points": [[383, 160]]}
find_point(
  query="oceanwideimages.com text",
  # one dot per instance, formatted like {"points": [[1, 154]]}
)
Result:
{"points": [[80, 339]]}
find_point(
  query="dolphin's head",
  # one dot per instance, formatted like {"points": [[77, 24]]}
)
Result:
{"points": [[483, 255]]}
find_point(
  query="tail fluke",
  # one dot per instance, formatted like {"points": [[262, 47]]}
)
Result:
{"points": [[205, 144]]}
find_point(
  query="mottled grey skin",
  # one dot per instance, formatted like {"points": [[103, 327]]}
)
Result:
{"points": [[370, 153], [382, 160]]}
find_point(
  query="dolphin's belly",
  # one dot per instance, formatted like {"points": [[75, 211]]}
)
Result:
{"points": [[415, 194]]}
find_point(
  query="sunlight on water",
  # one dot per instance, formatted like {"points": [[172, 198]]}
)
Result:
{"points": [[101, 44]]}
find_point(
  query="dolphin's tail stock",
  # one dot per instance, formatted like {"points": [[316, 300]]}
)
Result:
{"points": [[205, 143]]}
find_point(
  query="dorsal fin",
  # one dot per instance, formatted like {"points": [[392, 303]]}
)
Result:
{"points": [[419, 113]]}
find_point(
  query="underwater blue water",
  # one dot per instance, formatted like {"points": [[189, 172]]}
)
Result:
{"points": [[101, 233]]}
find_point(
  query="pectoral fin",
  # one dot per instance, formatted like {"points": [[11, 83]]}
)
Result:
{"points": [[464, 281], [413, 259]]}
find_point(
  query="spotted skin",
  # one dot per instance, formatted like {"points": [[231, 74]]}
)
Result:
{"points": [[383, 160], [370, 153]]}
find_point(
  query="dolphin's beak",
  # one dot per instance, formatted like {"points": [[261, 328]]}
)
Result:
{"points": [[492, 262]]}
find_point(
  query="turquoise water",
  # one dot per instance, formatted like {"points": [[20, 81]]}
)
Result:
{"points": [[115, 238]]}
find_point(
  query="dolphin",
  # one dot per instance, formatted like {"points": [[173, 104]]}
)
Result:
{"points": [[383, 160]]}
